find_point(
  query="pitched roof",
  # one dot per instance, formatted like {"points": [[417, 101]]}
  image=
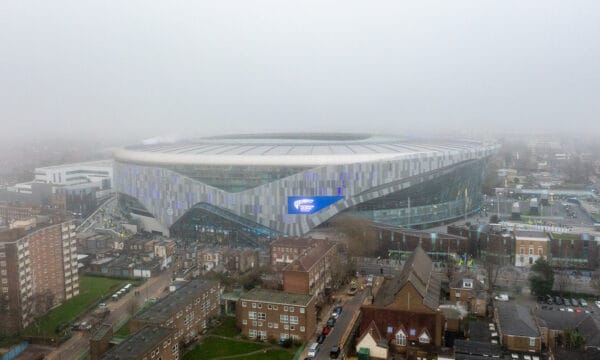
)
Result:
{"points": [[310, 257], [559, 320], [389, 319], [418, 271], [374, 331], [516, 320]]}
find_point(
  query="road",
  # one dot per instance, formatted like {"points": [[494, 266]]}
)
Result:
{"points": [[120, 311], [349, 309]]}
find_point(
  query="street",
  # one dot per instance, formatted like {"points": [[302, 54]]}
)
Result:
{"points": [[77, 346]]}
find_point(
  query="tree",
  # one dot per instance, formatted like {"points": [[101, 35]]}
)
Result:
{"points": [[573, 339], [563, 281], [359, 235], [341, 271], [541, 278]]}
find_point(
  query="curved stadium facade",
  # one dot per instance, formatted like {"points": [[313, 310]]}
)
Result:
{"points": [[251, 186]]}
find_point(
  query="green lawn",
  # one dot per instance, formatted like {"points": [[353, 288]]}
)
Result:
{"points": [[227, 328], [91, 289], [213, 347], [269, 355]]}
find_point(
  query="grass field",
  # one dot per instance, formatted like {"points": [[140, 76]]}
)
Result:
{"points": [[91, 289], [269, 355], [213, 347], [227, 328]]}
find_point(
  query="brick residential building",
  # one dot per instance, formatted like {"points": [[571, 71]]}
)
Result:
{"points": [[38, 270], [150, 343], [466, 289], [267, 314], [530, 246], [405, 310], [517, 327], [188, 310], [10, 212], [286, 250], [310, 273]]}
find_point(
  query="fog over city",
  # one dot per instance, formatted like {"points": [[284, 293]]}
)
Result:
{"points": [[139, 69]]}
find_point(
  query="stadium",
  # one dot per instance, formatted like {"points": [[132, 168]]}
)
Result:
{"points": [[242, 188]]}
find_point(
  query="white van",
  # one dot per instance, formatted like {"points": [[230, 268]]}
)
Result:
{"points": [[312, 350]]}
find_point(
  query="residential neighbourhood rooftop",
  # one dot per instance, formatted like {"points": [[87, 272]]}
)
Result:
{"points": [[516, 320], [276, 297], [138, 344]]}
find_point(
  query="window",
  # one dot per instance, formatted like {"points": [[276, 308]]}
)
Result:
{"points": [[301, 310], [262, 316], [400, 338], [390, 329], [254, 305], [531, 341], [530, 251], [283, 318], [468, 283], [252, 333], [291, 309], [254, 323], [540, 251], [412, 332], [251, 315], [302, 329], [292, 327], [457, 294], [293, 319], [244, 322], [424, 338], [285, 308], [522, 251], [243, 304], [270, 325], [286, 327], [260, 306], [269, 307], [275, 307], [275, 326]]}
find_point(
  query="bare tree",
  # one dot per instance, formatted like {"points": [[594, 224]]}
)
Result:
{"points": [[341, 271], [359, 235], [562, 281]]}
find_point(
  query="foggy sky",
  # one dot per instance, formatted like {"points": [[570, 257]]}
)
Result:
{"points": [[193, 68]]}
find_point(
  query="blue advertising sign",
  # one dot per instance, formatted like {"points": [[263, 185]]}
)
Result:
{"points": [[310, 204]]}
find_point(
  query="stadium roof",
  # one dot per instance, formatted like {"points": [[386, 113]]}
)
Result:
{"points": [[290, 149]]}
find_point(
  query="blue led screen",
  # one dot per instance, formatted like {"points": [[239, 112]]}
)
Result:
{"points": [[310, 204]]}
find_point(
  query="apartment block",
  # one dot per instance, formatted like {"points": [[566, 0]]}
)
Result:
{"points": [[38, 270], [188, 310], [149, 343], [266, 314], [310, 273], [286, 250]]}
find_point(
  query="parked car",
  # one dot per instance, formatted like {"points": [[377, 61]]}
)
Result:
{"points": [[338, 310], [558, 300], [583, 302], [331, 322], [501, 297], [574, 302], [321, 338], [326, 330], [352, 291], [335, 352], [313, 349], [566, 302]]}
